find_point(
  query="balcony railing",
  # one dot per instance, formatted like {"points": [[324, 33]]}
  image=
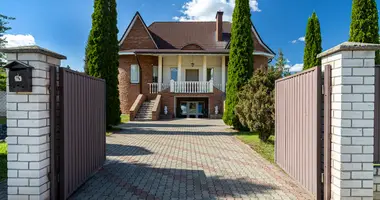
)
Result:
{"points": [[153, 87], [191, 86], [184, 87]]}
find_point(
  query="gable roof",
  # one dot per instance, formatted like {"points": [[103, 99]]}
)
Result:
{"points": [[176, 35], [137, 16]]}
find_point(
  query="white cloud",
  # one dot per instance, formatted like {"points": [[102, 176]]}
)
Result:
{"points": [[300, 39], [295, 68], [19, 40], [205, 10]]}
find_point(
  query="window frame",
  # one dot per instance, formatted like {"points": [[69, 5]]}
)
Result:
{"points": [[132, 81]]}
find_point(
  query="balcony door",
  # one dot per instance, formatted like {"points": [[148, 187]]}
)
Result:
{"points": [[192, 75]]}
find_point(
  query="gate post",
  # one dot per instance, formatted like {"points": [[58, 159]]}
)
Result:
{"points": [[352, 119], [29, 126]]}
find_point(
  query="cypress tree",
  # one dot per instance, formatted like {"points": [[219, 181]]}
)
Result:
{"points": [[365, 23], [240, 67], [313, 43], [102, 54]]}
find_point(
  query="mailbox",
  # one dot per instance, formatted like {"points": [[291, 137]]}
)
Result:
{"points": [[20, 77]]}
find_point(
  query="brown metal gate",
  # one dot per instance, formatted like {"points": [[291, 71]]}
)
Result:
{"points": [[299, 126], [79, 124]]}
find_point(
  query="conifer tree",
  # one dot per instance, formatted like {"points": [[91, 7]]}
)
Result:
{"points": [[240, 67], [102, 54], [313, 43], [365, 23]]}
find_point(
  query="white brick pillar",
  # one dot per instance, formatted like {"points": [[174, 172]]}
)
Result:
{"points": [[352, 123], [28, 127]]}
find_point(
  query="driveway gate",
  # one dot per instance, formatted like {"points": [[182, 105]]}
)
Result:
{"points": [[78, 126], [299, 128]]}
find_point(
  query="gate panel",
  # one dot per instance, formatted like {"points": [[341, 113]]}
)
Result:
{"points": [[82, 128], [298, 128]]}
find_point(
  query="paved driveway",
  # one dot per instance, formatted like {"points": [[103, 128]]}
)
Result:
{"points": [[185, 159]]}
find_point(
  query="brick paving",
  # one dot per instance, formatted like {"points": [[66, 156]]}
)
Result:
{"points": [[185, 159], [3, 190]]}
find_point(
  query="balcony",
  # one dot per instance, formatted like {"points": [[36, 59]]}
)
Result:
{"points": [[184, 87]]}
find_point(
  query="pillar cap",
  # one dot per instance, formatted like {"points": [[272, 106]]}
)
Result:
{"points": [[350, 46], [33, 49]]}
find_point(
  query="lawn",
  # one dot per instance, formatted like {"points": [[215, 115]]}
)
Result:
{"points": [[3, 120], [266, 150], [3, 161], [112, 130]]}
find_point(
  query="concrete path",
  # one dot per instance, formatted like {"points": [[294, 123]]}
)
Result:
{"points": [[185, 159]]}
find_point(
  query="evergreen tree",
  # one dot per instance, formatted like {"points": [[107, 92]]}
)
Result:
{"points": [[102, 54], [365, 23], [313, 43], [281, 62], [4, 21], [240, 67]]}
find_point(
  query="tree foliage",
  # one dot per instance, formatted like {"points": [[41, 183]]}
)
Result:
{"points": [[4, 21], [256, 109], [313, 43], [281, 63], [102, 58], [365, 23], [240, 67]]}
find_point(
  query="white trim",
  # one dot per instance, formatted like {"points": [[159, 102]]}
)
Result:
{"points": [[126, 53], [260, 53], [130, 27]]}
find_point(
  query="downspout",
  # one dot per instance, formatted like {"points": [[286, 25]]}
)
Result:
{"points": [[138, 63]]}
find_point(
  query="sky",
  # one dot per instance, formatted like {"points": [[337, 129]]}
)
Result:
{"points": [[63, 26]]}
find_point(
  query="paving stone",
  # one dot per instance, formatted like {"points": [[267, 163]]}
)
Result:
{"points": [[185, 159]]}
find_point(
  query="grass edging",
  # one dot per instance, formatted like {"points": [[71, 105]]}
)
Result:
{"points": [[3, 161], [265, 149]]}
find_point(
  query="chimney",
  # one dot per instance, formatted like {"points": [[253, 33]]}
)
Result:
{"points": [[219, 26]]}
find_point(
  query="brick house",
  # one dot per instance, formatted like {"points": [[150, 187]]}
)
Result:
{"points": [[178, 69]]}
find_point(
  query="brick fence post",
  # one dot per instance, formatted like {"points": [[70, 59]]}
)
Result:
{"points": [[352, 123], [28, 126]]}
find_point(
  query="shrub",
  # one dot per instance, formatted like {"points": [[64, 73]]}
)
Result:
{"points": [[255, 108]]}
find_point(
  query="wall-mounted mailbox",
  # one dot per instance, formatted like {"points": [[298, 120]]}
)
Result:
{"points": [[20, 77]]}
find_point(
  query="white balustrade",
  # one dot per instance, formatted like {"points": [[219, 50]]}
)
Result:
{"points": [[191, 86]]}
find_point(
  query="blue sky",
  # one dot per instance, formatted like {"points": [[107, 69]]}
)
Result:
{"points": [[63, 26]]}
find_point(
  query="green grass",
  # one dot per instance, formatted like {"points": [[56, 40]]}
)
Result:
{"points": [[3, 160], [3, 120], [124, 118], [265, 149]]}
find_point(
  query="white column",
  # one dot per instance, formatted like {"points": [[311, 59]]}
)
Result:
{"points": [[223, 73], [179, 76], [204, 68], [352, 122], [28, 131], [159, 73]]}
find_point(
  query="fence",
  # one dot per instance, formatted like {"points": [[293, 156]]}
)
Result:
{"points": [[299, 126], [78, 145]]}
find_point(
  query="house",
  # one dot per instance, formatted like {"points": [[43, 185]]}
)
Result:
{"points": [[178, 69]]}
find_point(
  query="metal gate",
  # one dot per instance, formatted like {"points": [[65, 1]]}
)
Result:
{"points": [[78, 126], [299, 127]]}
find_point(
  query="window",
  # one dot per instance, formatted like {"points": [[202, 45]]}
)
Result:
{"points": [[135, 74], [173, 74], [210, 74], [155, 74]]}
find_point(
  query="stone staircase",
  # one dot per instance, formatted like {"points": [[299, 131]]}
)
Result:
{"points": [[145, 111]]}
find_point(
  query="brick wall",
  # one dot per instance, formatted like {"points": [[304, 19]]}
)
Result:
{"points": [[138, 37], [28, 132], [352, 121]]}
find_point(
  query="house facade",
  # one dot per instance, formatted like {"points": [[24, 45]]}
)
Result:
{"points": [[178, 69]]}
